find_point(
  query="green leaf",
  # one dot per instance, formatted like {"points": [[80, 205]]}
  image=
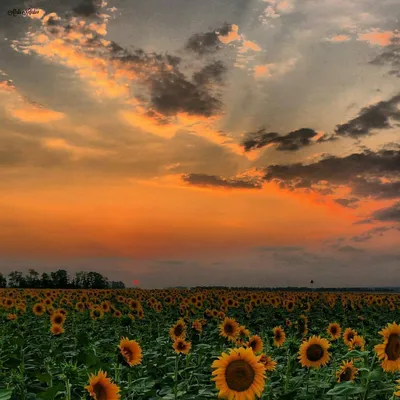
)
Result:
{"points": [[5, 394], [51, 392]]}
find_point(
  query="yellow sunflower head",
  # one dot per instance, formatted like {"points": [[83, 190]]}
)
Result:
{"points": [[348, 336], [269, 363], [131, 351], [101, 388], [229, 329], [389, 351], [397, 392], [334, 330], [357, 341], [181, 346], [346, 372], [314, 352], [178, 330], [279, 336], [39, 309], [256, 343], [56, 329], [57, 318], [239, 374]]}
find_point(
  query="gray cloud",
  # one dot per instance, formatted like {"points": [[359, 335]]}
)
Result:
{"points": [[372, 117], [85, 9], [208, 42], [391, 213], [350, 249], [217, 181], [371, 233], [347, 202], [390, 57], [353, 170], [292, 141]]}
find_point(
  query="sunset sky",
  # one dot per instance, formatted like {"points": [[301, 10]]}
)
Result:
{"points": [[209, 142]]}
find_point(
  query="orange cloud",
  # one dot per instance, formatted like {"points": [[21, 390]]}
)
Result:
{"points": [[232, 35], [34, 114], [269, 70], [339, 38], [76, 152], [261, 71], [249, 45], [375, 37]]}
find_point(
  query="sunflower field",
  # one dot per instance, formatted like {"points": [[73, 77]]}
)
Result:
{"points": [[198, 344]]}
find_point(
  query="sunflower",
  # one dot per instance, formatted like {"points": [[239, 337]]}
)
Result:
{"points": [[96, 313], [389, 350], [101, 388], [11, 317], [197, 326], [348, 335], [131, 351], [397, 393], [314, 352], [334, 330], [80, 306], [357, 341], [178, 330], [56, 329], [181, 346], [239, 375], [39, 309], [256, 343], [229, 329], [57, 318], [269, 363], [279, 336], [346, 372]]}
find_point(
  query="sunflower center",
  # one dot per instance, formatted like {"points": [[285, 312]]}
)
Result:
{"points": [[228, 328], [277, 336], [178, 330], [333, 330], [181, 346], [392, 349], [58, 319], [345, 375], [315, 352], [350, 336], [127, 353], [99, 392], [239, 375]]}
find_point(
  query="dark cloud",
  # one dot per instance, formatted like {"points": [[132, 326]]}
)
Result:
{"points": [[279, 248], [380, 190], [353, 170], [370, 234], [85, 9], [347, 202], [391, 213], [292, 141], [211, 73], [390, 57], [373, 117], [350, 249], [208, 42], [217, 181]]}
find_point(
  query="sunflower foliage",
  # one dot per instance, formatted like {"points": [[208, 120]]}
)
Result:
{"points": [[198, 344]]}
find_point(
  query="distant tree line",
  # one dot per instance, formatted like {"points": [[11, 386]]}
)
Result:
{"points": [[58, 280], [303, 289]]}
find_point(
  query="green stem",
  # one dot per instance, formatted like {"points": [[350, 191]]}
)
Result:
{"points": [[368, 379], [308, 378], [176, 377]]}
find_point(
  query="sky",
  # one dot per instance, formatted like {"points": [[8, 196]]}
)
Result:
{"points": [[213, 142]]}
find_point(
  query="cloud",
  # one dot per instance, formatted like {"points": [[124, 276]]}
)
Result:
{"points": [[387, 214], [232, 36], [292, 141], [85, 9], [371, 233], [350, 249], [210, 42], [35, 114], [390, 57], [211, 73], [336, 171], [351, 203], [278, 248], [204, 180], [376, 116], [274, 69], [338, 39], [379, 38]]}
